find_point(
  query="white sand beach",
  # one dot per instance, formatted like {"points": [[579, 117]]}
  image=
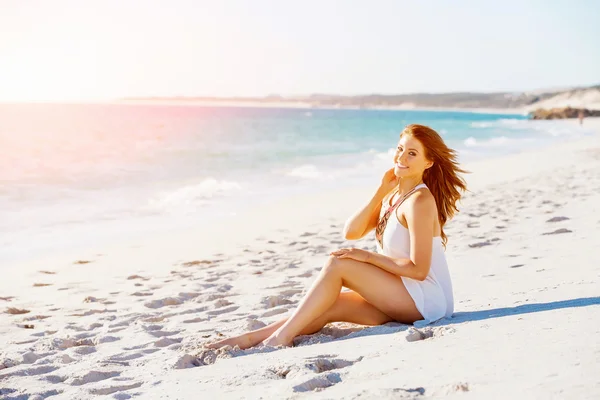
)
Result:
{"points": [[129, 320]]}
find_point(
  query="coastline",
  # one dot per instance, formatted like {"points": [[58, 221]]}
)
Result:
{"points": [[311, 106], [129, 318]]}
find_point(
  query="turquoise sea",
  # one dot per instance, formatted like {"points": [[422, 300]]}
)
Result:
{"points": [[77, 174]]}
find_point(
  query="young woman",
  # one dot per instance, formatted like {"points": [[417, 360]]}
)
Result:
{"points": [[407, 279]]}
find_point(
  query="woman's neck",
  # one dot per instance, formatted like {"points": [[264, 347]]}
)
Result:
{"points": [[407, 184]]}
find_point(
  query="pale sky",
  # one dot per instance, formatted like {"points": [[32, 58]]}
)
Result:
{"points": [[84, 49]]}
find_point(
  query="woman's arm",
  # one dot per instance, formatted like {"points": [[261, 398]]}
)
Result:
{"points": [[367, 217], [365, 220], [420, 217], [421, 207], [397, 266]]}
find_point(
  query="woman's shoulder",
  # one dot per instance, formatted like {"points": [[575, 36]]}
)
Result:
{"points": [[421, 201]]}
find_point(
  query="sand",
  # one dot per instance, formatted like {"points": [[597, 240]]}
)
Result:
{"points": [[130, 320]]}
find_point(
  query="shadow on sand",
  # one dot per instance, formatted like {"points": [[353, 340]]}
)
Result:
{"points": [[460, 317]]}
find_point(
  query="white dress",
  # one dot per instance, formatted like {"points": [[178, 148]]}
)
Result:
{"points": [[432, 296]]}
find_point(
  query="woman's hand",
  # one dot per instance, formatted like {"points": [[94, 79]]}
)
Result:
{"points": [[389, 181], [354, 254]]}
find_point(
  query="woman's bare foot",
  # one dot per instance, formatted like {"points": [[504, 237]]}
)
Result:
{"points": [[275, 340], [243, 341]]}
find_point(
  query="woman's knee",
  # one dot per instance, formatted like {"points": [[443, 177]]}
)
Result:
{"points": [[332, 265]]}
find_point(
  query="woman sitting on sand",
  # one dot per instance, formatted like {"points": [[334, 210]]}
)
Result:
{"points": [[407, 279]]}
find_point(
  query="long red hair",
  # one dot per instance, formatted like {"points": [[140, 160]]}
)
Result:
{"points": [[442, 178]]}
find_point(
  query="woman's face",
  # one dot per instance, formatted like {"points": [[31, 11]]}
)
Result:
{"points": [[409, 159]]}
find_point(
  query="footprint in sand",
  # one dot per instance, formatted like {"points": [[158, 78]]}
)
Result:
{"points": [[194, 320], [274, 301], [415, 334], [448, 390], [222, 303], [21, 370], [168, 301], [92, 299], [223, 310], [161, 333], [291, 292], [167, 341], [187, 361], [63, 344], [198, 263], [254, 324], [52, 379], [211, 297], [142, 294], [558, 231], [92, 376], [392, 393], [480, 244], [205, 357], [36, 318], [188, 295], [557, 219], [102, 391], [16, 311], [320, 364], [83, 350], [319, 382], [31, 357], [91, 312], [306, 234], [124, 357], [130, 277], [121, 324], [154, 319], [47, 272], [274, 311], [82, 262], [181, 274], [105, 339]]}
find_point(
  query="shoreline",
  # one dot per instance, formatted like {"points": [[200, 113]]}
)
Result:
{"points": [[310, 106], [274, 105]]}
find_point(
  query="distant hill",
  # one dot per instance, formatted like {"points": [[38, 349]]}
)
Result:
{"points": [[585, 97], [577, 98]]}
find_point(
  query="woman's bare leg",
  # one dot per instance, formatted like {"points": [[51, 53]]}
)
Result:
{"points": [[383, 290], [248, 339], [349, 307]]}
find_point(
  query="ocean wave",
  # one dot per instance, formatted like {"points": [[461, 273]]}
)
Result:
{"points": [[511, 121], [481, 124], [501, 123], [495, 141], [307, 171], [197, 194]]}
